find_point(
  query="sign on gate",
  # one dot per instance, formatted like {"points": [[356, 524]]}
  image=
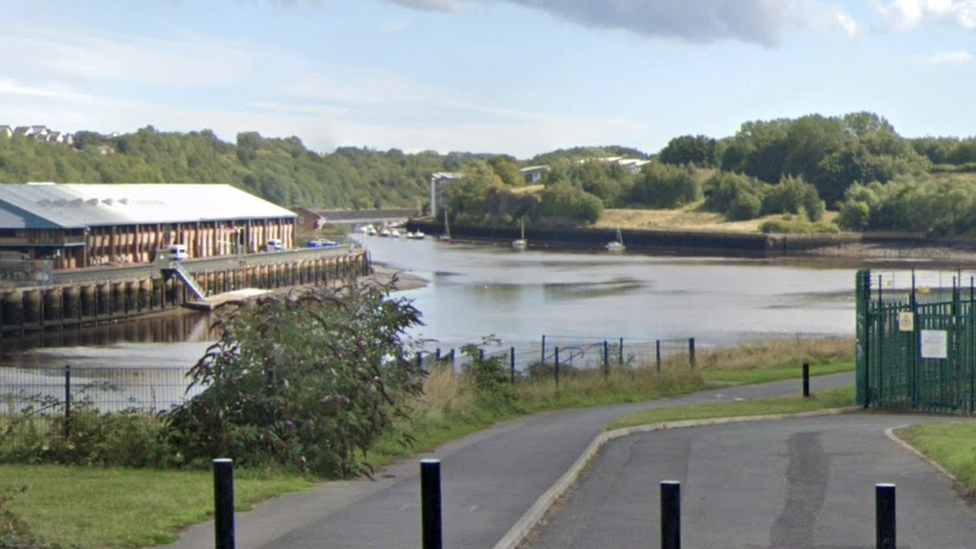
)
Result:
{"points": [[935, 344], [906, 322]]}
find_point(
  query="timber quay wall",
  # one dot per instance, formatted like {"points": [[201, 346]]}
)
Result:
{"points": [[94, 296], [684, 242]]}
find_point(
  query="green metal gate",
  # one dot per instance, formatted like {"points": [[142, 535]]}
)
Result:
{"points": [[916, 348]]}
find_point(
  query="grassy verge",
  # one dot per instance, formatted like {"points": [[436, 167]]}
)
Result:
{"points": [[101, 508], [824, 400], [123, 508], [952, 445]]}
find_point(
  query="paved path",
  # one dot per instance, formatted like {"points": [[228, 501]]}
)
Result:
{"points": [[489, 480], [789, 484]]}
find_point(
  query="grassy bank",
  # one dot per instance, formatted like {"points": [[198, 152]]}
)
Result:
{"points": [[952, 445], [125, 508]]}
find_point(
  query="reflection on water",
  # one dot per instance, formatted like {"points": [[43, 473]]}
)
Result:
{"points": [[172, 327]]}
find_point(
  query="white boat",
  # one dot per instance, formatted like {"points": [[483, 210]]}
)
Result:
{"points": [[384, 232], [417, 235], [521, 243], [616, 245], [394, 233], [446, 235]]}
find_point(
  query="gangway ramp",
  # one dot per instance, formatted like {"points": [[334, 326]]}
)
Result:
{"points": [[177, 270]]}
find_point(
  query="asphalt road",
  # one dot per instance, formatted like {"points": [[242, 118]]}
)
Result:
{"points": [[789, 484], [489, 480]]}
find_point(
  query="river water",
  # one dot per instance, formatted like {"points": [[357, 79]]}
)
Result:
{"points": [[516, 296]]}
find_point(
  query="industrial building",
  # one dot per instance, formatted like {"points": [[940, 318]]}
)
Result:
{"points": [[83, 225]]}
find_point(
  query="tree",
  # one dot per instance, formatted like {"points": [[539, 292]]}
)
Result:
{"points": [[507, 170], [314, 377], [665, 186], [687, 149], [565, 201]]}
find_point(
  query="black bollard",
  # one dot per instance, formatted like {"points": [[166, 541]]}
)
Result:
{"points": [[884, 509], [806, 380], [224, 503], [670, 514], [430, 503], [691, 352]]}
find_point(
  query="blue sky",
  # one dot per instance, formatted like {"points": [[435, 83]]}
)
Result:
{"points": [[519, 77]]}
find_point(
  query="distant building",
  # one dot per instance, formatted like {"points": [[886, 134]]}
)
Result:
{"points": [[308, 220], [632, 165], [533, 174], [438, 181], [80, 225], [39, 132], [6, 131]]}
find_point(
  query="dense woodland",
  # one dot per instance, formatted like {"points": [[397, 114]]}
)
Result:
{"points": [[856, 164]]}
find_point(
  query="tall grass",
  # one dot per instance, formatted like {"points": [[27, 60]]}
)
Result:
{"points": [[451, 408]]}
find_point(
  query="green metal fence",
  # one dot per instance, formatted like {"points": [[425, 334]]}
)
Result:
{"points": [[916, 347]]}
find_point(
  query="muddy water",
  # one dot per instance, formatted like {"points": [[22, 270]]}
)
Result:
{"points": [[518, 296]]}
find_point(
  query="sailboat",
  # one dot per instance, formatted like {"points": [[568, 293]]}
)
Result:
{"points": [[521, 243], [446, 235], [616, 245]]}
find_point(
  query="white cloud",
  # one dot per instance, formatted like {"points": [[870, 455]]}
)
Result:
{"points": [[444, 6], [950, 58], [758, 21], [903, 15]]}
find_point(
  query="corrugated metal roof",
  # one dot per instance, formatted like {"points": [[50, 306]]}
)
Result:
{"points": [[48, 205]]}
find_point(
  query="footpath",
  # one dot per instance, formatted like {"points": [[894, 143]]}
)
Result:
{"points": [[489, 482]]}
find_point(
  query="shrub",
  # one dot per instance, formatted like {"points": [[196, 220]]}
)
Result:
{"points": [[311, 379]]}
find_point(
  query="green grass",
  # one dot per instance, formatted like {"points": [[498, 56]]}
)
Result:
{"points": [[97, 508], [952, 445], [823, 400], [776, 373]]}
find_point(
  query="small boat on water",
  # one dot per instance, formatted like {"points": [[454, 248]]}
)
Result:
{"points": [[616, 245], [394, 233], [417, 235], [521, 243], [385, 232]]}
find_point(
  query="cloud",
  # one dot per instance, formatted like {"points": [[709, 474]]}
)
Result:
{"points": [[443, 6], [903, 15], [948, 59], [757, 21]]}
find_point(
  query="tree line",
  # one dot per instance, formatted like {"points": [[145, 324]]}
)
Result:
{"points": [[800, 166]]}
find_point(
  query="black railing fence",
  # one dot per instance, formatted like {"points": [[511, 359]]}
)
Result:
{"points": [[569, 354], [51, 394]]}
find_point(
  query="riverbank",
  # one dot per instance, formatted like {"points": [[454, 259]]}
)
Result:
{"points": [[873, 247]]}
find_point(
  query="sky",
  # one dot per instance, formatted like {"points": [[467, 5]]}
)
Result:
{"points": [[517, 77]]}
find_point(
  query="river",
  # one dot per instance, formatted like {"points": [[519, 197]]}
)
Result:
{"points": [[519, 296]]}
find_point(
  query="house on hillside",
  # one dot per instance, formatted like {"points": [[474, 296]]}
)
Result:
{"points": [[82, 225], [22, 131], [6, 131], [438, 180], [39, 132], [533, 174]]}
